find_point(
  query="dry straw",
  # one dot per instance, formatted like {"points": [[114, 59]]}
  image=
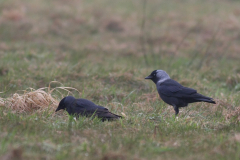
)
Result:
{"points": [[30, 100]]}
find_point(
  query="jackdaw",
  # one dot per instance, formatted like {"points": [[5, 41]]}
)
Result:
{"points": [[174, 93], [84, 107]]}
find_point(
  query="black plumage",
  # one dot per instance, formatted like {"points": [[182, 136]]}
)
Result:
{"points": [[84, 107], [174, 93]]}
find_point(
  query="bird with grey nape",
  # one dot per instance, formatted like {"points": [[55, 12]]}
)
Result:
{"points": [[84, 107], [173, 93]]}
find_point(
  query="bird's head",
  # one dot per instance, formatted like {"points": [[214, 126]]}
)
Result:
{"points": [[158, 76], [65, 102]]}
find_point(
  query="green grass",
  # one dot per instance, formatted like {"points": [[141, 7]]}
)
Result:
{"points": [[95, 47]]}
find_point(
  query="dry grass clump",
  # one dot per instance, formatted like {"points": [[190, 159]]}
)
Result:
{"points": [[41, 99]]}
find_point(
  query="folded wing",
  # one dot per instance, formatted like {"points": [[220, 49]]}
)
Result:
{"points": [[172, 88]]}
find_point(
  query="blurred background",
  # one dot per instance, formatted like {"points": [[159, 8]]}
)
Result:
{"points": [[69, 40]]}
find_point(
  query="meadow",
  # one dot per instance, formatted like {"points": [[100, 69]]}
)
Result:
{"points": [[104, 49]]}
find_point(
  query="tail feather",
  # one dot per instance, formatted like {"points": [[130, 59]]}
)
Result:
{"points": [[113, 116], [207, 100], [109, 116], [201, 98]]}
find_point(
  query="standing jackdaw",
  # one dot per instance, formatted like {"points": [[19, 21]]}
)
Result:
{"points": [[174, 93], [84, 107]]}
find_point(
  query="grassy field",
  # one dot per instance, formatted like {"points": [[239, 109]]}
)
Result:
{"points": [[104, 49]]}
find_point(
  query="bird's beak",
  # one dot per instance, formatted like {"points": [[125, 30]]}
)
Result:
{"points": [[57, 109], [149, 77]]}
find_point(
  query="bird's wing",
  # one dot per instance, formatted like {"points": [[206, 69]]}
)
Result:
{"points": [[89, 107], [82, 106], [103, 112], [174, 89], [84, 103]]}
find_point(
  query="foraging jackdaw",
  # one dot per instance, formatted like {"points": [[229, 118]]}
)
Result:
{"points": [[84, 107], [174, 93]]}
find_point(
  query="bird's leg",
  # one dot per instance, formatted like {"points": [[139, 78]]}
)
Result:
{"points": [[176, 110]]}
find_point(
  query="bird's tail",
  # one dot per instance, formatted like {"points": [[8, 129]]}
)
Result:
{"points": [[109, 116], [200, 98], [115, 116]]}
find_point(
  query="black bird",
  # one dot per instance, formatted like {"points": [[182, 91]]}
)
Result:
{"points": [[174, 93], [84, 107]]}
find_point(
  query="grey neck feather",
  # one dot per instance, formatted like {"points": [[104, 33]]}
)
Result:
{"points": [[163, 76]]}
